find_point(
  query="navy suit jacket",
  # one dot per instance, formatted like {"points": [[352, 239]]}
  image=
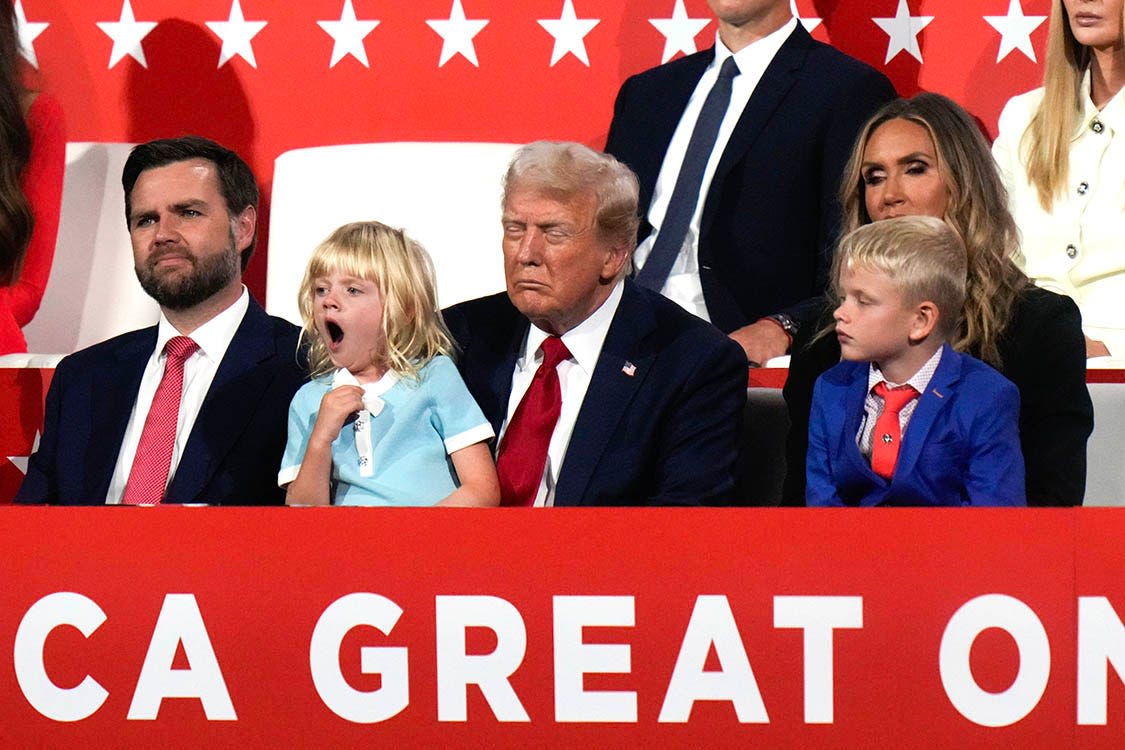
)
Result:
{"points": [[666, 433], [771, 215], [234, 450], [961, 446]]}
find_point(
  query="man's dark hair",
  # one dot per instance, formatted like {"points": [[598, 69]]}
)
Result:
{"points": [[236, 181]]}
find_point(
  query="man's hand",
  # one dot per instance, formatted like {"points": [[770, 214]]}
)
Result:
{"points": [[762, 341], [1095, 348]]}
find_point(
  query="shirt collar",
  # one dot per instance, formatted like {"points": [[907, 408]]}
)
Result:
{"points": [[343, 376], [919, 380], [1112, 115], [214, 336], [584, 340], [756, 54]]}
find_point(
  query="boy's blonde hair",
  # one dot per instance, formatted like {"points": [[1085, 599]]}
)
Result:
{"points": [[412, 324], [922, 255]]}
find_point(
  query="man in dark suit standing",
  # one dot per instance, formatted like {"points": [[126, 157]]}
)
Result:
{"points": [[601, 392], [739, 150], [192, 410]]}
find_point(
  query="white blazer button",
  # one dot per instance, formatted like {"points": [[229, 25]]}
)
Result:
{"points": [[1083, 187], [1071, 251]]}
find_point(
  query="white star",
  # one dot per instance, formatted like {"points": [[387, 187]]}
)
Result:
{"points": [[347, 35], [679, 31], [21, 461], [903, 31], [127, 33], [28, 31], [808, 23], [1015, 31], [236, 33], [457, 34], [569, 32]]}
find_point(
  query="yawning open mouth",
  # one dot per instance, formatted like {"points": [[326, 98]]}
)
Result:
{"points": [[335, 332]]}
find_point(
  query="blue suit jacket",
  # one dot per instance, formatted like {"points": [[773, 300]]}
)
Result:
{"points": [[234, 450], [961, 446], [666, 435], [771, 214]]}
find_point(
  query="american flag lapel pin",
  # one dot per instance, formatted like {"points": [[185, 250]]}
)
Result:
{"points": [[629, 368]]}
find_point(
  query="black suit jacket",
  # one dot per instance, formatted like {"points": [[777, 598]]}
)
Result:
{"points": [[234, 450], [1044, 354], [661, 419], [771, 214]]}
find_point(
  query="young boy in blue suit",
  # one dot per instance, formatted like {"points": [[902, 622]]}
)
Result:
{"points": [[904, 419]]}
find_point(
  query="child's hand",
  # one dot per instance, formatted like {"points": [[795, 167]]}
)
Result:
{"points": [[335, 408]]}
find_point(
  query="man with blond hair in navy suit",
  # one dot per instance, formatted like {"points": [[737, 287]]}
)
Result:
{"points": [[115, 428], [645, 399]]}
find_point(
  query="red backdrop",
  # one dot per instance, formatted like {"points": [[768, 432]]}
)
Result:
{"points": [[292, 98]]}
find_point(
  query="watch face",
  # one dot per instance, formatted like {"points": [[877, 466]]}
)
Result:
{"points": [[786, 323]]}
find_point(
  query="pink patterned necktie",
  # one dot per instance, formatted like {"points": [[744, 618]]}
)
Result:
{"points": [[149, 474], [523, 453]]}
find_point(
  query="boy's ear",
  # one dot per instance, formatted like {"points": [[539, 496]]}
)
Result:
{"points": [[926, 316]]}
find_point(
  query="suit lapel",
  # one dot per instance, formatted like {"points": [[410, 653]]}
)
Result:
{"points": [[661, 121], [238, 386], [610, 392], [499, 382], [779, 77], [937, 397], [854, 400], [114, 394], [490, 345]]}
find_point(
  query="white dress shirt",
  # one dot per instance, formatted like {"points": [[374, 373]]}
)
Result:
{"points": [[683, 285], [585, 344], [213, 338], [1078, 247]]}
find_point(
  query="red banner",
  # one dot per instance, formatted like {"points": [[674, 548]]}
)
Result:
{"points": [[185, 627]]}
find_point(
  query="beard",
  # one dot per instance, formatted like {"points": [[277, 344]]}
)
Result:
{"points": [[181, 291]]}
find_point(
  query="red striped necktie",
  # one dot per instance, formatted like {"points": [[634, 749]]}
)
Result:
{"points": [[149, 474]]}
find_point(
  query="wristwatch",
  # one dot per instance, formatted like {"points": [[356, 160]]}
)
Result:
{"points": [[787, 324]]}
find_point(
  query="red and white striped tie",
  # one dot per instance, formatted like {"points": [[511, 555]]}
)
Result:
{"points": [[149, 474]]}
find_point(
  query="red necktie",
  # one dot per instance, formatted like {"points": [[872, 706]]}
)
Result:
{"points": [[886, 437], [523, 452], [149, 474]]}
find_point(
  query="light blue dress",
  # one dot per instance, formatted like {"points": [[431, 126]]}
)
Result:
{"points": [[420, 424]]}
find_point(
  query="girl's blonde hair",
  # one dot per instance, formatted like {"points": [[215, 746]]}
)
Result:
{"points": [[412, 324], [1045, 145], [977, 208]]}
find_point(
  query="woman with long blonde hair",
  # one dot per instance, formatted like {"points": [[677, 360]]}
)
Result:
{"points": [[1061, 151], [926, 156]]}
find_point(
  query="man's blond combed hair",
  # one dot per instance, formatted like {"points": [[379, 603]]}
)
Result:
{"points": [[564, 171], [412, 324], [923, 256]]}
